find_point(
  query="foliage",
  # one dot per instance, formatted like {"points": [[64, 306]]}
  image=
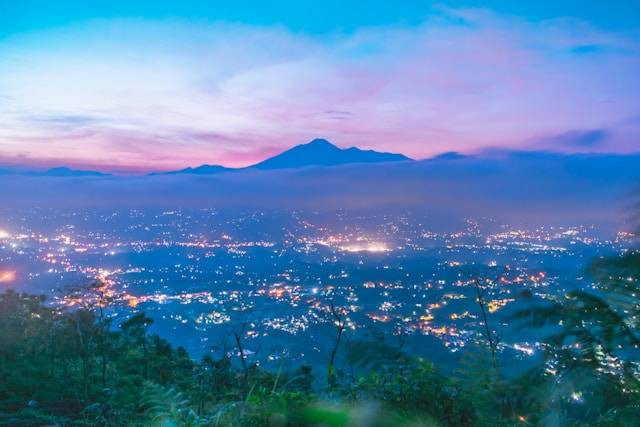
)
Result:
{"points": [[591, 373], [74, 367]]}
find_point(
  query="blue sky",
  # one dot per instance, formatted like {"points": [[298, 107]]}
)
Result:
{"points": [[141, 85], [305, 16]]}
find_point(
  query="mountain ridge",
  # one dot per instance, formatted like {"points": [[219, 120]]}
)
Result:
{"points": [[317, 152], [203, 169], [58, 171]]}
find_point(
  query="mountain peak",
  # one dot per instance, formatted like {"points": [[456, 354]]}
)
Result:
{"points": [[319, 142]]}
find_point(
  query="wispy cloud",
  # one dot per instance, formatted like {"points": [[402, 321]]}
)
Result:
{"points": [[162, 94]]}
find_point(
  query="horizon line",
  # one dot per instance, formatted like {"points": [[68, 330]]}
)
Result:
{"points": [[118, 170]]}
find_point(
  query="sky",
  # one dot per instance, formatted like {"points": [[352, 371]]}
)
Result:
{"points": [[146, 85]]}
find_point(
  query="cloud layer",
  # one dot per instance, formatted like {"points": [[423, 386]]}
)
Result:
{"points": [[141, 95]]}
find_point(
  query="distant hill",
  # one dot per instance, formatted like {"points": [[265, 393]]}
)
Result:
{"points": [[65, 171], [321, 152], [449, 155], [200, 170], [62, 171]]}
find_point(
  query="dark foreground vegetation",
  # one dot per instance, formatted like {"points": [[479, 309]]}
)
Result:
{"points": [[74, 367]]}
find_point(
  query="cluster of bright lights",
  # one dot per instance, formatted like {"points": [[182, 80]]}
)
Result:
{"points": [[359, 244], [7, 276], [370, 247], [576, 396], [525, 349]]}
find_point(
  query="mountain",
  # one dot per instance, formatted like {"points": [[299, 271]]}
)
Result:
{"points": [[318, 152], [449, 155], [321, 152], [65, 171], [54, 172], [200, 170], [11, 171]]}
